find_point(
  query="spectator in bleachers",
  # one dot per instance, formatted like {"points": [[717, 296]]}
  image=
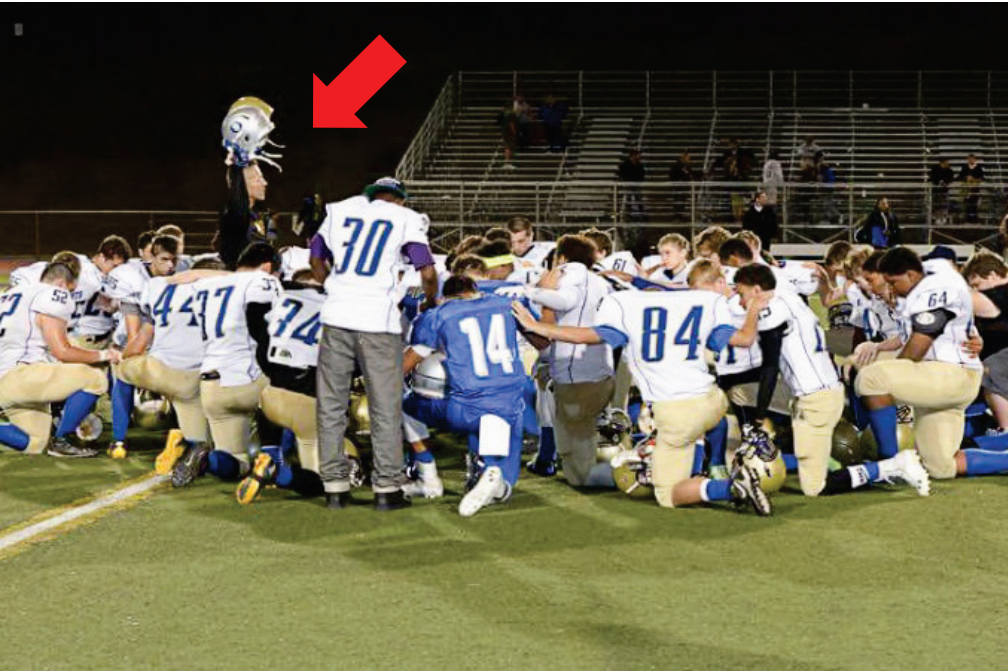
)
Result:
{"points": [[514, 120], [940, 177], [681, 170], [972, 173], [806, 158], [880, 229], [632, 170], [552, 115], [761, 219], [827, 184], [773, 177], [746, 159]]}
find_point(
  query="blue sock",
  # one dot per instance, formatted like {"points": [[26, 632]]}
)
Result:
{"points": [[718, 491], [284, 476], [790, 461], [288, 441], [13, 436], [77, 406], [980, 462], [873, 471], [858, 409], [718, 440], [633, 410], [122, 407], [224, 466], [513, 462], [883, 424], [547, 445], [698, 458], [275, 452], [426, 457]]}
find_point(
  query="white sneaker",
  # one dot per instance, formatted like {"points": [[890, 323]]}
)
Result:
{"points": [[428, 483], [907, 467], [491, 489]]}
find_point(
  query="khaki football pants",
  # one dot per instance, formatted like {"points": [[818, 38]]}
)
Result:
{"points": [[27, 390], [813, 420], [680, 425], [577, 406], [229, 411], [180, 387], [295, 412], [939, 393]]}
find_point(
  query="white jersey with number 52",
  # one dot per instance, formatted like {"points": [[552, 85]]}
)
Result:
{"points": [[366, 239], [21, 340]]}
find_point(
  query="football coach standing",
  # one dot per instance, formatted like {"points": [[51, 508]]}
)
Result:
{"points": [[359, 253]]}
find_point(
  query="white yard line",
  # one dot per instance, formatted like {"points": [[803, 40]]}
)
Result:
{"points": [[66, 517]]}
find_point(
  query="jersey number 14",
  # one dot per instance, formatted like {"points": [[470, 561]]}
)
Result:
{"points": [[495, 349]]}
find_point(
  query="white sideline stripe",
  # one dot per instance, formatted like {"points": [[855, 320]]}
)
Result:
{"points": [[111, 499]]}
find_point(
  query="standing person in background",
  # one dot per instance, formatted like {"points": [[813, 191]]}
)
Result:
{"points": [[632, 170], [880, 229], [761, 220], [357, 254], [972, 173], [940, 177], [773, 178]]}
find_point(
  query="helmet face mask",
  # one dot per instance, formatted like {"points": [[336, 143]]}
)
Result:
{"points": [[245, 132]]}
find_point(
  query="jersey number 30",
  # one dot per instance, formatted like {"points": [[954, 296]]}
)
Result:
{"points": [[369, 254]]}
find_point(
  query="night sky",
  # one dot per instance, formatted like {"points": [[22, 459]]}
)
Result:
{"points": [[120, 106]]}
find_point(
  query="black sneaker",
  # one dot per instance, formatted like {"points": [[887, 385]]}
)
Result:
{"points": [[60, 447], [390, 501], [191, 465], [338, 500]]}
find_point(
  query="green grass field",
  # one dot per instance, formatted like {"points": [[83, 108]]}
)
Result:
{"points": [[556, 579]]}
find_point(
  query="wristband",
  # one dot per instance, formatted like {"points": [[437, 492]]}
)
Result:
{"points": [[103, 355]]}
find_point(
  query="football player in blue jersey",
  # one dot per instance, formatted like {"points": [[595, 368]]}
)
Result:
{"points": [[486, 381]]}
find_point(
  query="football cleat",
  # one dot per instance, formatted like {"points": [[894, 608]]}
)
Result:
{"points": [[426, 483], [474, 469], [60, 447], [907, 467], [545, 468], [491, 489], [175, 446], [745, 488], [117, 450], [263, 473], [191, 465]]}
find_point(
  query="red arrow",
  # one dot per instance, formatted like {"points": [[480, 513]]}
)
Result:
{"points": [[336, 105]]}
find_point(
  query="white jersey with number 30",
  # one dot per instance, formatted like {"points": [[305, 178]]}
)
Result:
{"points": [[667, 333], [221, 301], [295, 327], [21, 340], [366, 239]]}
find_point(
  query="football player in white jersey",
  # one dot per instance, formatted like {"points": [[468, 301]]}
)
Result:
{"points": [[33, 333], [165, 357], [357, 253], [290, 363], [583, 375], [666, 334], [933, 373], [605, 258], [231, 309], [183, 261], [735, 253], [818, 403], [126, 284], [675, 255], [529, 255], [91, 323]]}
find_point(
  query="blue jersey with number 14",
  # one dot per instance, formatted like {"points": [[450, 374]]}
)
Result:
{"points": [[480, 340]]}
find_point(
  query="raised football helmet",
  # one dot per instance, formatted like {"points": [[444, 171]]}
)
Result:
{"points": [[613, 425], [632, 469], [151, 411], [429, 377], [759, 453], [245, 131]]}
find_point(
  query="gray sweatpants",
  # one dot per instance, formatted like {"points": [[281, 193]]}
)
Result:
{"points": [[381, 360]]}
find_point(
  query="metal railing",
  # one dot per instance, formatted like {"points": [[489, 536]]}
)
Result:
{"points": [[806, 212], [431, 131], [767, 89]]}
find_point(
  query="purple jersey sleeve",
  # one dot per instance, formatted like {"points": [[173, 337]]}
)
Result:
{"points": [[418, 254], [319, 249]]}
